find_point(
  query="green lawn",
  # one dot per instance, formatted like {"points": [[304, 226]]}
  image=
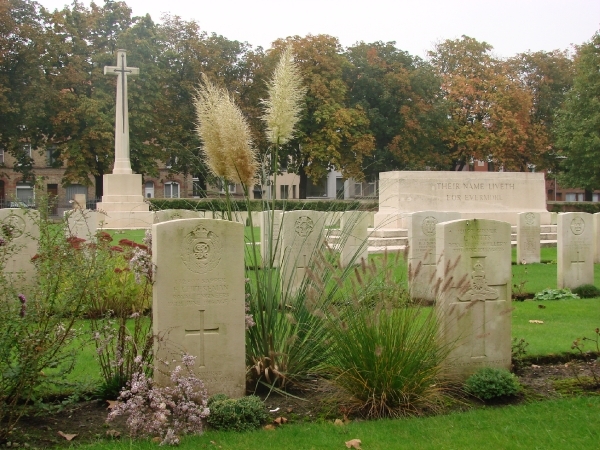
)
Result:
{"points": [[558, 424]]}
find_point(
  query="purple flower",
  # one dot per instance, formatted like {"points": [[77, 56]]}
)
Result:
{"points": [[22, 299]]}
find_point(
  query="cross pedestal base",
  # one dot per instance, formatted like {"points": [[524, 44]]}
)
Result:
{"points": [[123, 203]]}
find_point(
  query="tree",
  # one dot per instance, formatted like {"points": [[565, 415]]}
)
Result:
{"points": [[400, 95], [489, 109], [548, 76], [331, 134], [24, 88], [578, 122]]}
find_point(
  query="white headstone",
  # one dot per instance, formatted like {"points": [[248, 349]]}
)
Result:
{"points": [[175, 214], [301, 237], [79, 201], [421, 251], [270, 243], [20, 233], [474, 301], [83, 223], [353, 235], [199, 300], [575, 250], [528, 238], [597, 238]]}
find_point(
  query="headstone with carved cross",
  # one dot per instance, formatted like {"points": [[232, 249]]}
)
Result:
{"points": [[575, 250], [528, 238], [301, 238], [474, 294], [123, 203], [353, 237], [199, 299], [421, 250]]}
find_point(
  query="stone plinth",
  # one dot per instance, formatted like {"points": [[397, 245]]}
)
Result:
{"points": [[123, 203], [482, 195]]}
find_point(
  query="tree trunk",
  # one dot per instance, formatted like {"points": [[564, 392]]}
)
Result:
{"points": [[303, 183], [99, 185]]}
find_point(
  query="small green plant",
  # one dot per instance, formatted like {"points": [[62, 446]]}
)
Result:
{"points": [[587, 291], [555, 294], [490, 383], [589, 356], [519, 293], [231, 414], [518, 352]]}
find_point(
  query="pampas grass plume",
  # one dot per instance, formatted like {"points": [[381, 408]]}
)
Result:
{"points": [[283, 105]]}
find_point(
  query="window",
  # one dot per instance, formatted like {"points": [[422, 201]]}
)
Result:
{"points": [[284, 191], [294, 191], [221, 187], [27, 150], [172, 161], [149, 189], [358, 189], [51, 157], [25, 193], [316, 188], [339, 188], [1, 156], [73, 189], [371, 190], [172, 189], [596, 197]]}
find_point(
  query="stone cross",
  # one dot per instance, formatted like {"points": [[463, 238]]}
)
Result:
{"points": [[122, 161], [578, 262], [200, 331]]}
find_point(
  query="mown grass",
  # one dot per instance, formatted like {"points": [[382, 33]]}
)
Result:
{"points": [[558, 424]]}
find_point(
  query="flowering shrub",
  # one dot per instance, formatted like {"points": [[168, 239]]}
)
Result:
{"points": [[39, 317], [167, 412], [120, 329]]}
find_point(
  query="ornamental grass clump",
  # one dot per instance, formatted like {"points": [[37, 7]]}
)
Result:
{"points": [[383, 350]]}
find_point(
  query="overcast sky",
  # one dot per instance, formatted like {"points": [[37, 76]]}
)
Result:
{"points": [[510, 26]]}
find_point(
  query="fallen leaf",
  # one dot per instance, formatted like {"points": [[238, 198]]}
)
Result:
{"points": [[156, 439], [280, 421], [536, 321], [338, 422], [353, 443], [68, 437], [113, 434], [111, 404], [269, 427], [289, 410]]}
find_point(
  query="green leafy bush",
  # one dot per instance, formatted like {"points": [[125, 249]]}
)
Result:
{"points": [[555, 294], [490, 383], [587, 291], [241, 414]]}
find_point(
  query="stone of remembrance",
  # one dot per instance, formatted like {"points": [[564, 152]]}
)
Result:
{"points": [[483, 195]]}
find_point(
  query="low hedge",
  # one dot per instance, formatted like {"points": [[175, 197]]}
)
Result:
{"points": [[218, 204]]}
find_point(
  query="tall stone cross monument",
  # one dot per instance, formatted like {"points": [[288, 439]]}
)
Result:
{"points": [[122, 161], [122, 199]]}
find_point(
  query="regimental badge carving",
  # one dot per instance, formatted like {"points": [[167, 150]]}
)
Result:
{"points": [[304, 226], [577, 225], [176, 215], [201, 250], [479, 289], [428, 225], [530, 219], [12, 227]]}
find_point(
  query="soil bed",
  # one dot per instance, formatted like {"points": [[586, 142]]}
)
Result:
{"points": [[88, 419]]}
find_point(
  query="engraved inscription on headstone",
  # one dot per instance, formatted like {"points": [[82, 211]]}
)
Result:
{"points": [[575, 250], [474, 301], [198, 300], [421, 251], [528, 238], [20, 233]]}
